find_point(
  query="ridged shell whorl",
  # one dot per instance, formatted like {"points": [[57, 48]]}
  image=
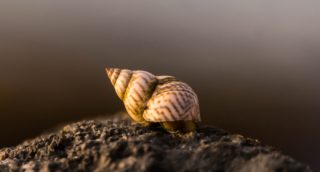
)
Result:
{"points": [[149, 98], [172, 100], [134, 88]]}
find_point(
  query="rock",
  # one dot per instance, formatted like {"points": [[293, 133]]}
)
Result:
{"points": [[117, 144]]}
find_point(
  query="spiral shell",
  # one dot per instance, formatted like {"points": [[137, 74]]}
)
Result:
{"points": [[149, 98]]}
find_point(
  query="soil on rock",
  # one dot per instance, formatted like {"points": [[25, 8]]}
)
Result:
{"points": [[117, 144]]}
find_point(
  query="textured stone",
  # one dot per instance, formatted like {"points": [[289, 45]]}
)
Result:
{"points": [[117, 144]]}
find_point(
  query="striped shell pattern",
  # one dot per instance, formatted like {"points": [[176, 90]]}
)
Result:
{"points": [[149, 98]]}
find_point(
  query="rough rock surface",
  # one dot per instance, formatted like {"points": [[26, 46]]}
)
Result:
{"points": [[117, 144]]}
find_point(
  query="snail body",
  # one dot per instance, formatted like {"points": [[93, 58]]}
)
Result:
{"points": [[156, 99]]}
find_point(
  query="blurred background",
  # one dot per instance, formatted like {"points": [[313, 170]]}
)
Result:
{"points": [[254, 64]]}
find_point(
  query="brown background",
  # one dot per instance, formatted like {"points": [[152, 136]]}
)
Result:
{"points": [[254, 64]]}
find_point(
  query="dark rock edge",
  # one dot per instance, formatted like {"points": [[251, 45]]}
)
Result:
{"points": [[117, 144]]}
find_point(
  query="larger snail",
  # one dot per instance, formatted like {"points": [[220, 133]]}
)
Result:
{"points": [[156, 99]]}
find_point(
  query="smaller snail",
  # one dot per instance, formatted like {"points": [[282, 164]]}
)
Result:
{"points": [[156, 99]]}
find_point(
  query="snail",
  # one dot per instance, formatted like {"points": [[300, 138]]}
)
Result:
{"points": [[156, 99]]}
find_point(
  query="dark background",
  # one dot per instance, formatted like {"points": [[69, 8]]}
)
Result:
{"points": [[254, 64]]}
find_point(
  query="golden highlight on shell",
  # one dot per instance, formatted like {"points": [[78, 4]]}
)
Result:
{"points": [[156, 99]]}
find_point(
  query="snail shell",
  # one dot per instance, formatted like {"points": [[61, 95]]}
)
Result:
{"points": [[149, 98]]}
